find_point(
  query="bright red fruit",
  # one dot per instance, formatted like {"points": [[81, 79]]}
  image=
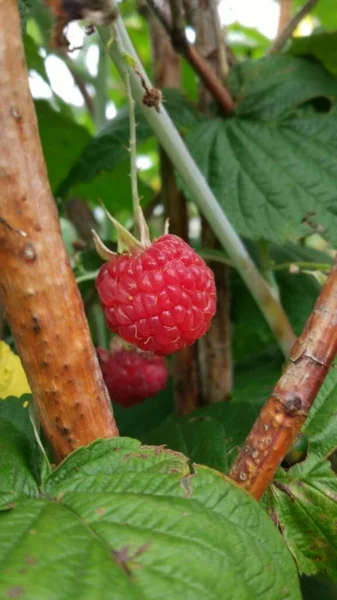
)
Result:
{"points": [[132, 376], [160, 299]]}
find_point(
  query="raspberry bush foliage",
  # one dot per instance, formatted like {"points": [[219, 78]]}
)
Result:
{"points": [[153, 513]]}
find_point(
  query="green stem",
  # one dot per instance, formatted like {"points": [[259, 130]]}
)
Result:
{"points": [[214, 255], [309, 266], [101, 92], [266, 266], [175, 148], [132, 131], [140, 223], [220, 257], [87, 276]]}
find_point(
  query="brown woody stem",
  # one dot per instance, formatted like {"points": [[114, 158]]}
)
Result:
{"points": [[290, 27], [288, 406], [214, 349], [197, 62], [38, 291], [285, 14]]}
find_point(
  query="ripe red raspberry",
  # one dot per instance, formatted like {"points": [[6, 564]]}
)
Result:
{"points": [[132, 376], [160, 299]]}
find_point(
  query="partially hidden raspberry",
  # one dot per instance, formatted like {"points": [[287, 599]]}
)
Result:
{"points": [[131, 376], [160, 299]]}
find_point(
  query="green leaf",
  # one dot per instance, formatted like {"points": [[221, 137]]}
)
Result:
{"points": [[147, 529], [137, 420], [298, 292], [272, 88], [273, 200], [318, 587], [113, 188], [110, 146], [214, 433], [246, 41], [18, 412], [15, 411], [321, 424], [33, 58], [304, 498], [201, 438], [189, 80], [325, 10], [69, 234], [62, 141], [272, 167], [42, 16], [16, 478], [24, 7], [305, 507], [320, 45]]}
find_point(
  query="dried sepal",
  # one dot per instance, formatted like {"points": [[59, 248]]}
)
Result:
{"points": [[101, 249]]}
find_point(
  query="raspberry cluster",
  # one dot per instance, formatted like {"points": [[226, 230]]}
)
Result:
{"points": [[159, 299], [131, 376]]}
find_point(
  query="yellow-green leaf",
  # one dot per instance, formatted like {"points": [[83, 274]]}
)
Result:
{"points": [[13, 381]]}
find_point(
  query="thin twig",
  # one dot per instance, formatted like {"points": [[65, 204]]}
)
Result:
{"points": [[83, 89], [220, 37], [289, 404], [177, 15], [132, 127], [79, 82], [285, 14], [288, 30], [197, 62], [162, 18]]}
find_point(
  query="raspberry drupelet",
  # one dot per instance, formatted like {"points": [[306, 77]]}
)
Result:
{"points": [[161, 298]]}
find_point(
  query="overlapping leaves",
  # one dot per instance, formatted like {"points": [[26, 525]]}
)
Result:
{"points": [[121, 520], [303, 499], [271, 165]]}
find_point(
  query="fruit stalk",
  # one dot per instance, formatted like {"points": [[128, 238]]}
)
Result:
{"points": [[175, 148], [140, 224], [287, 408], [133, 139], [38, 291]]}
